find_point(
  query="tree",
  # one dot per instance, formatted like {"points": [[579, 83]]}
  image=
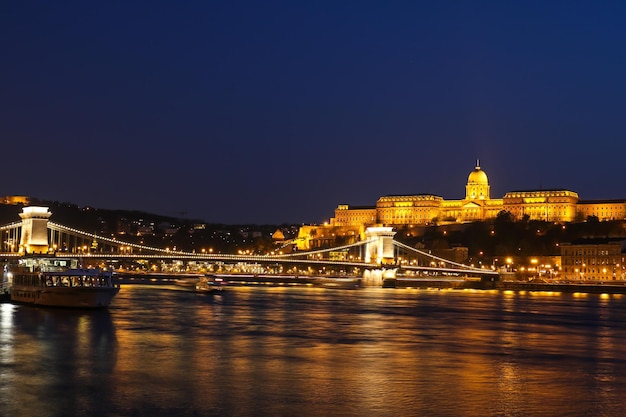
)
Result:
{"points": [[505, 216]]}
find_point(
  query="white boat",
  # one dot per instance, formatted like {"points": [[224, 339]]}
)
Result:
{"points": [[58, 282], [210, 283]]}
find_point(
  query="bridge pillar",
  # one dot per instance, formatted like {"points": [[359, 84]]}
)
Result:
{"points": [[34, 238], [380, 247]]}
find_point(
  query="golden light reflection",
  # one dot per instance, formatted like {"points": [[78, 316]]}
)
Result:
{"points": [[6, 318]]}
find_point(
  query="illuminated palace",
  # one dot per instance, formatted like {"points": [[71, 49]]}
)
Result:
{"points": [[556, 205]]}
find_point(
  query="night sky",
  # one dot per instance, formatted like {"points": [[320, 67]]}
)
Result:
{"points": [[278, 111]]}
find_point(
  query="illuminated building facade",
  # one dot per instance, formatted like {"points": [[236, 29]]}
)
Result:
{"points": [[547, 205], [593, 260], [556, 205], [16, 199]]}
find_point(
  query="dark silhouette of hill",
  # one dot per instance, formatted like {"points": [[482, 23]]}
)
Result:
{"points": [[156, 230]]}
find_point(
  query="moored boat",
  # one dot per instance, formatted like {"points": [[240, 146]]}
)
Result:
{"points": [[210, 283], [59, 282]]}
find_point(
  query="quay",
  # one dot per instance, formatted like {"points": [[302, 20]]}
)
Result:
{"points": [[244, 279], [152, 278], [353, 282], [443, 282], [562, 287]]}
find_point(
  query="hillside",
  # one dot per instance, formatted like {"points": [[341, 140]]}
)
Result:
{"points": [[156, 230]]}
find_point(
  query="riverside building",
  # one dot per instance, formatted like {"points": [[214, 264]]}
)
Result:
{"points": [[593, 260], [554, 205]]}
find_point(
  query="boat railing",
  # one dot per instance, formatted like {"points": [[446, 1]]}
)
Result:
{"points": [[75, 278], [51, 268]]}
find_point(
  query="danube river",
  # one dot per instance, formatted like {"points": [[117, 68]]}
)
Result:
{"points": [[161, 351]]}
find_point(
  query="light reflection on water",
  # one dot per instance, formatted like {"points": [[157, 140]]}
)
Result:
{"points": [[314, 352]]}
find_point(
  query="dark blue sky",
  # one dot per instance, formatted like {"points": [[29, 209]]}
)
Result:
{"points": [[277, 111]]}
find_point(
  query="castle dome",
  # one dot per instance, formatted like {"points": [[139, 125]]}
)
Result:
{"points": [[477, 176]]}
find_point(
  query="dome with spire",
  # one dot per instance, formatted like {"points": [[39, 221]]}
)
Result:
{"points": [[477, 176], [477, 187]]}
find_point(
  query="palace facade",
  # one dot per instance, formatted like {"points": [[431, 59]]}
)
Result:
{"points": [[556, 205]]}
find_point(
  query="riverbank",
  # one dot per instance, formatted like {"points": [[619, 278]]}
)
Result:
{"points": [[399, 282], [558, 287], [441, 283], [246, 280]]}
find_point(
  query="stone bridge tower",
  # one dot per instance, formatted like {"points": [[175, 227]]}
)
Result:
{"points": [[380, 249], [34, 237]]}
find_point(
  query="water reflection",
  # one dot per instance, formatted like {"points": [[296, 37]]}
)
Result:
{"points": [[315, 352], [51, 356]]}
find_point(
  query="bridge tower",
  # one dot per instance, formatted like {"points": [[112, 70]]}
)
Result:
{"points": [[380, 247], [34, 238]]}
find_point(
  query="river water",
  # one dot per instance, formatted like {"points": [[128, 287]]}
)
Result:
{"points": [[161, 351]]}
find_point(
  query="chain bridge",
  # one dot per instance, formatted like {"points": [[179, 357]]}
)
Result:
{"points": [[378, 254]]}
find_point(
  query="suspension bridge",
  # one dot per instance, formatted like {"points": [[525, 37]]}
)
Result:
{"points": [[379, 255]]}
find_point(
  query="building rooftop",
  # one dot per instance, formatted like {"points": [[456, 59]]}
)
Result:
{"points": [[413, 195], [609, 201], [361, 207]]}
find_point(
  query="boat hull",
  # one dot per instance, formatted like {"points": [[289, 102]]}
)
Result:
{"points": [[71, 297]]}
